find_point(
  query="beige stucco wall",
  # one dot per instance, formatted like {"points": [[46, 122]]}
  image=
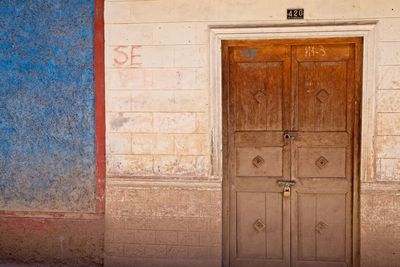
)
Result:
{"points": [[163, 207]]}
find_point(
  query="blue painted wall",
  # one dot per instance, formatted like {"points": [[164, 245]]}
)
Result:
{"points": [[47, 149]]}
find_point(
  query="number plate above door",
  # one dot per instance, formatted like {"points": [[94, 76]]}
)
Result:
{"points": [[295, 13]]}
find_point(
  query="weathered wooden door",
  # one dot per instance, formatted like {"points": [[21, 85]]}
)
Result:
{"points": [[291, 122]]}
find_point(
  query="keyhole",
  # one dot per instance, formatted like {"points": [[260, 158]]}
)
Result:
{"points": [[286, 136]]}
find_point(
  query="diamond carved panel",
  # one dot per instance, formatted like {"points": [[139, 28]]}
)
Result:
{"points": [[259, 96], [322, 95], [320, 227], [321, 162], [258, 161], [259, 225]]}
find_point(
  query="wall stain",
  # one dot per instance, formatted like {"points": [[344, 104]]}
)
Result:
{"points": [[118, 122]]}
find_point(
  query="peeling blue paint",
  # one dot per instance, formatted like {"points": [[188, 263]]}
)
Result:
{"points": [[47, 149], [249, 53]]}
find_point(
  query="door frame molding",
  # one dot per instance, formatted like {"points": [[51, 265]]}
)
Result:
{"points": [[365, 29]]}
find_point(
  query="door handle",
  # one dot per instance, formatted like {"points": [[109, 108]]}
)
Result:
{"points": [[287, 185]]}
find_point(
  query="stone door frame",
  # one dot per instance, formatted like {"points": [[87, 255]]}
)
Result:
{"points": [[365, 29]]}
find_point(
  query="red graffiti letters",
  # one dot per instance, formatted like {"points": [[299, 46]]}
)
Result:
{"points": [[127, 56]]}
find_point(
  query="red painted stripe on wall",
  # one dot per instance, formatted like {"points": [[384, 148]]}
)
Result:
{"points": [[99, 104]]}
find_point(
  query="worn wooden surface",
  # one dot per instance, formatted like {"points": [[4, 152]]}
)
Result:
{"points": [[306, 87]]}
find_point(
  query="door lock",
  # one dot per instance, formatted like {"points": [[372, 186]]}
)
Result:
{"points": [[287, 135], [287, 185]]}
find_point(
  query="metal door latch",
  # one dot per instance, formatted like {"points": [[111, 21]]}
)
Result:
{"points": [[287, 185]]}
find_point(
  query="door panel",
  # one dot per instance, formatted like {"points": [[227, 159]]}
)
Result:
{"points": [[259, 96], [322, 96], [290, 115], [322, 228], [321, 162], [251, 241], [330, 227], [264, 212], [259, 161]]}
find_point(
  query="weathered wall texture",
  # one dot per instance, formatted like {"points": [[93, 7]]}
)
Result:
{"points": [[157, 87], [47, 134], [380, 228], [163, 226], [47, 152], [56, 242]]}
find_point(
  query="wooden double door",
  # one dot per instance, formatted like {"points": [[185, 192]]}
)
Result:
{"points": [[291, 131]]}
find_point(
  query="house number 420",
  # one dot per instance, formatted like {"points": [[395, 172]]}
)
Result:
{"points": [[297, 13]]}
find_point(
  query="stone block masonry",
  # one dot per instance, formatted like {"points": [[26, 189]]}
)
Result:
{"points": [[162, 226], [380, 229], [157, 100]]}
